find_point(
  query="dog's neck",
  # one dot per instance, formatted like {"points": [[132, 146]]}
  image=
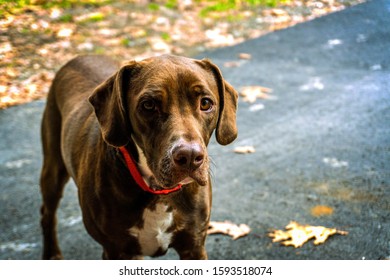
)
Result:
{"points": [[141, 173], [142, 164]]}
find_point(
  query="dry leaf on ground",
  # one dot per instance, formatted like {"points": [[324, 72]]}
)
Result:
{"points": [[28, 90], [244, 150], [256, 107], [228, 228], [251, 93], [232, 64], [321, 210], [245, 56], [296, 235]]}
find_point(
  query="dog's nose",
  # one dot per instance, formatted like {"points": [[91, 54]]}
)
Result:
{"points": [[188, 155]]}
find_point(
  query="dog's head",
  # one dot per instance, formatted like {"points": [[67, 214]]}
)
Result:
{"points": [[169, 106]]}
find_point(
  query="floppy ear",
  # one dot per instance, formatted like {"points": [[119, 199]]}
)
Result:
{"points": [[226, 131], [109, 103]]}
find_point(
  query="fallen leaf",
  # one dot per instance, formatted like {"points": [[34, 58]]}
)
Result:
{"points": [[218, 38], [232, 64], [278, 12], [246, 56], [251, 93], [5, 47], [93, 17], [86, 46], [321, 210], [3, 89], [314, 83], [158, 45], [244, 150], [256, 107], [296, 235], [334, 162], [11, 72], [64, 33], [55, 13], [228, 228]]}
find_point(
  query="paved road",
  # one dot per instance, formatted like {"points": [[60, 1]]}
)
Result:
{"points": [[324, 141]]}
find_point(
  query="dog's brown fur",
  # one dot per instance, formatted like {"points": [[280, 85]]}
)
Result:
{"points": [[164, 110]]}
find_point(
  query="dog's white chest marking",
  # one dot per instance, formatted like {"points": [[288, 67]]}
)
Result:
{"points": [[153, 235]]}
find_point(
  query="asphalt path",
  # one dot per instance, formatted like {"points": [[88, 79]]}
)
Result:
{"points": [[323, 140]]}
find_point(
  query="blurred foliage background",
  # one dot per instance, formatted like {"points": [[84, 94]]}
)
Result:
{"points": [[38, 36], [17, 6]]}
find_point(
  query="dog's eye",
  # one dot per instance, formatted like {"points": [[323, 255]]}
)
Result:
{"points": [[206, 104], [149, 105]]}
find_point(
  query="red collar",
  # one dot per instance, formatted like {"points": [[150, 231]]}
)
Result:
{"points": [[132, 167]]}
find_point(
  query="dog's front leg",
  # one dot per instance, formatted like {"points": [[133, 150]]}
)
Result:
{"points": [[190, 246], [194, 254]]}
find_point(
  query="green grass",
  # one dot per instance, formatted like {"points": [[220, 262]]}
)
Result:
{"points": [[15, 7], [229, 5], [66, 4], [220, 6], [96, 17], [153, 7], [99, 50], [18, 6], [125, 42], [66, 18], [166, 37], [268, 3], [12, 6], [171, 4]]}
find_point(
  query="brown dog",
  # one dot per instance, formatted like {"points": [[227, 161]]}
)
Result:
{"points": [[137, 154]]}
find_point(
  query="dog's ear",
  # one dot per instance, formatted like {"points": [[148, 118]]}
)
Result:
{"points": [[109, 102], [226, 131]]}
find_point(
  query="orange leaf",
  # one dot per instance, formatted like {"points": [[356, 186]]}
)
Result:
{"points": [[321, 210]]}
